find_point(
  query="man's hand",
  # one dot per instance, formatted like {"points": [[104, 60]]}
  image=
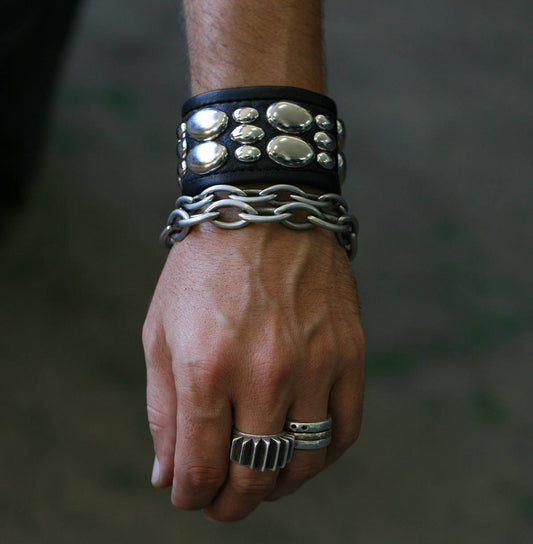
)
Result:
{"points": [[248, 328]]}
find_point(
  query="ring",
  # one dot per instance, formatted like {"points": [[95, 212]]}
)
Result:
{"points": [[262, 451], [309, 427], [311, 436], [312, 444]]}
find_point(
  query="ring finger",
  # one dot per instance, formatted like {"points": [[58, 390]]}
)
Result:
{"points": [[306, 463]]}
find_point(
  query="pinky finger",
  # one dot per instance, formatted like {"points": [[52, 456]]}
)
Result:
{"points": [[346, 409], [161, 406]]}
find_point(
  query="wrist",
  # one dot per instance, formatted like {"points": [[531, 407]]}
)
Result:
{"points": [[239, 43]]}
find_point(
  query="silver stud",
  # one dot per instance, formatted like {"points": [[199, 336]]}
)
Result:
{"points": [[206, 124], [181, 130], [324, 141], [325, 160], [182, 169], [247, 153], [247, 134], [341, 134], [289, 117], [207, 157], [323, 122], [341, 165], [290, 151], [245, 115], [181, 148]]}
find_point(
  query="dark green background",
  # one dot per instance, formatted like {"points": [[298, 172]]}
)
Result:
{"points": [[438, 100]]}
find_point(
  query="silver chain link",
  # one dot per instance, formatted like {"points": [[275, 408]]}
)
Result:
{"points": [[275, 204]]}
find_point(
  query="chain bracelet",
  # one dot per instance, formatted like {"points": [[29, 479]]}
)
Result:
{"points": [[275, 204]]}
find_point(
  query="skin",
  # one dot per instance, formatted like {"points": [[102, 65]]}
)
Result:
{"points": [[252, 326]]}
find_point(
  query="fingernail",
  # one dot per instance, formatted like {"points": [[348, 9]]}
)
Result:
{"points": [[155, 471]]}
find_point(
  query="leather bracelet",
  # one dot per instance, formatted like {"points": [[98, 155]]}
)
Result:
{"points": [[257, 135]]}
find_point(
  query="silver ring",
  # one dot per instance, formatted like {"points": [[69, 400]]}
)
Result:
{"points": [[308, 427], [311, 436], [262, 451], [312, 444]]}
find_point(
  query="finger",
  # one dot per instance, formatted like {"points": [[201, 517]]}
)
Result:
{"points": [[305, 464], [203, 436], [346, 409], [161, 405], [245, 488]]}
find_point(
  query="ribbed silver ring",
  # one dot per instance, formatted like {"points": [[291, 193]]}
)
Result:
{"points": [[308, 427], [262, 451]]}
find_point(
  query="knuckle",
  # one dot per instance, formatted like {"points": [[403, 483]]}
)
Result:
{"points": [[158, 420], [253, 486], [301, 473], [196, 479], [208, 376], [148, 334], [344, 440]]}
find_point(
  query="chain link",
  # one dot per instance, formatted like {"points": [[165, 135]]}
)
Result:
{"points": [[276, 204]]}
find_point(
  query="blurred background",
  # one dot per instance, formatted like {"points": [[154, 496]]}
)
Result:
{"points": [[438, 100]]}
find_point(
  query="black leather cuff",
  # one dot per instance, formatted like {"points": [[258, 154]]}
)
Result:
{"points": [[253, 135]]}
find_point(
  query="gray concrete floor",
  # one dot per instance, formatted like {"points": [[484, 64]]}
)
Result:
{"points": [[438, 99]]}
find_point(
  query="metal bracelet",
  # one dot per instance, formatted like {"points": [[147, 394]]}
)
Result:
{"points": [[275, 204]]}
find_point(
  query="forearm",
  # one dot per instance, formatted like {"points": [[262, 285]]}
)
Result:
{"points": [[234, 43]]}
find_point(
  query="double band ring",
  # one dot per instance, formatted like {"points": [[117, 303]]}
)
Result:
{"points": [[312, 435], [310, 427]]}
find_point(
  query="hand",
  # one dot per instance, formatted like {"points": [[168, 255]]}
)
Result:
{"points": [[249, 327]]}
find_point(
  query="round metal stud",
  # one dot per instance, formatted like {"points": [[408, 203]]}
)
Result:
{"points": [[341, 165], [325, 160], [245, 115], [290, 151], [323, 122], [289, 117], [181, 148], [341, 134], [206, 124], [247, 134], [324, 141], [181, 130], [206, 157], [247, 153]]}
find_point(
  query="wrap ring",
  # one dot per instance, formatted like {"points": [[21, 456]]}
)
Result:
{"points": [[262, 451], [312, 435], [308, 427]]}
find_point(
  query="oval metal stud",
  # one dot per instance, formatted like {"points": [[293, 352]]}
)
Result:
{"points": [[289, 117], [325, 160], [323, 122], [290, 151], [341, 166], [181, 130], [341, 134], [182, 168], [245, 115], [206, 124], [247, 134], [181, 148], [206, 157], [247, 153], [324, 141]]}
